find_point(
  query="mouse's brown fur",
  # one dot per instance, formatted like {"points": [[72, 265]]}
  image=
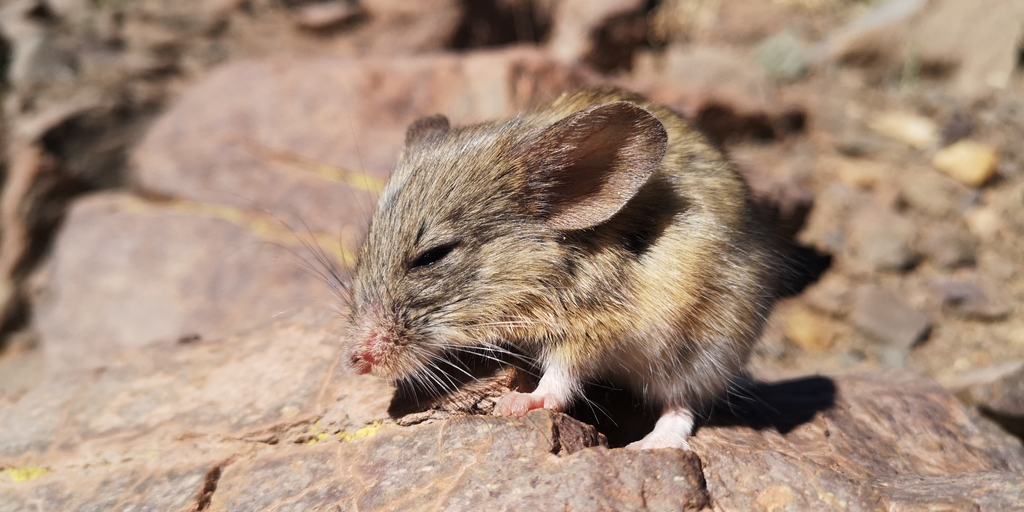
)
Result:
{"points": [[654, 274]]}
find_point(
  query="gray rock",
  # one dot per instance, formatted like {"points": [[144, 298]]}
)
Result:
{"points": [[998, 392], [968, 300], [883, 316], [950, 248], [782, 57], [884, 240], [934, 194]]}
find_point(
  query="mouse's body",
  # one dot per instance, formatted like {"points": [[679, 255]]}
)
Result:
{"points": [[600, 233]]}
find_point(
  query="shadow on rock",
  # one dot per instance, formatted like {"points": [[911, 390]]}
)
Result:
{"points": [[473, 386], [781, 406]]}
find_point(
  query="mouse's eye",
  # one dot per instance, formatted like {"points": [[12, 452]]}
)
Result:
{"points": [[432, 255]]}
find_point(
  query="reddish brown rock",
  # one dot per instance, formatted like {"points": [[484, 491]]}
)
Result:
{"points": [[467, 463], [265, 421], [882, 443], [721, 91], [313, 140], [126, 272], [603, 33]]}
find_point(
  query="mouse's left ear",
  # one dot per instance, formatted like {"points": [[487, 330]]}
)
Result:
{"points": [[583, 169], [425, 127]]}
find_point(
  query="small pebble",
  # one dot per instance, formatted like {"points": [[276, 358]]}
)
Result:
{"points": [[782, 57], [984, 222], [883, 316], [933, 194], [809, 331], [950, 248], [969, 162], [911, 129]]}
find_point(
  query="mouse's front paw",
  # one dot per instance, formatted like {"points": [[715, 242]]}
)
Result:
{"points": [[518, 404]]}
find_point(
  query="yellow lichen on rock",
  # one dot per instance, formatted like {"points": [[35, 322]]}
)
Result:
{"points": [[367, 431], [19, 475]]}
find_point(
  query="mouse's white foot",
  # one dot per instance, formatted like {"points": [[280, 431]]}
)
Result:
{"points": [[671, 431], [554, 391], [518, 404]]}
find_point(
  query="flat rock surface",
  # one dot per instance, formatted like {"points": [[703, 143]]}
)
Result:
{"points": [[267, 420], [312, 140], [129, 272]]}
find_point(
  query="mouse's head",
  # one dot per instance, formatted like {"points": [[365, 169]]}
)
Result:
{"points": [[464, 250]]}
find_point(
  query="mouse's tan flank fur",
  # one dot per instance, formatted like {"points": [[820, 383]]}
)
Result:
{"points": [[600, 233]]}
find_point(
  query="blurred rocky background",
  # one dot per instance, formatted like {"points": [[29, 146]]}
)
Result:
{"points": [[180, 176]]}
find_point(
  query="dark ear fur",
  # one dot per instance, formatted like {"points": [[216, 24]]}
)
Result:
{"points": [[424, 127], [583, 169]]}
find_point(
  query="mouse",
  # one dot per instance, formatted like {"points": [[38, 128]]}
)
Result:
{"points": [[601, 235]]}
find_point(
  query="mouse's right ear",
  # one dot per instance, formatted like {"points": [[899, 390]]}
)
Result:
{"points": [[583, 169], [424, 127]]}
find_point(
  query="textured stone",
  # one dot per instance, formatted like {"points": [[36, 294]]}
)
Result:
{"points": [[934, 194], [911, 129], [809, 331], [126, 272], [884, 240], [721, 91], [265, 421], [885, 317], [312, 140], [602, 32], [998, 392], [949, 248], [969, 162], [467, 463], [968, 300], [881, 444]]}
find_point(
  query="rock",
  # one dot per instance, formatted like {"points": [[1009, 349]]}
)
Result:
{"points": [[826, 224], [125, 271], [267, 386], [830, 295], [878, 34], [327, 15], [782, 57], [808, 330], [950, 248], [969, 162], [413, 468], [859, 453], [858, 173], [721, 91], [884, 240], [968, 300], [604, 33], [913, 130], [978, 41], [311, 141], [266, 421], [957, 127], [984, 222], [934, 194], [980, 37], [998, 392], [885, 317]]}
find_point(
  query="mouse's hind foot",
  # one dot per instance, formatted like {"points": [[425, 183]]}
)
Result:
{"points": [[671, 431]]}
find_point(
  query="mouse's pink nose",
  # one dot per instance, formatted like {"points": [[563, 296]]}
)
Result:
{"points": [[363, 361]]}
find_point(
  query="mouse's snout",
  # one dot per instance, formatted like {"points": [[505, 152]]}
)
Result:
{"points": [[375, 344], [362, 361]]}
